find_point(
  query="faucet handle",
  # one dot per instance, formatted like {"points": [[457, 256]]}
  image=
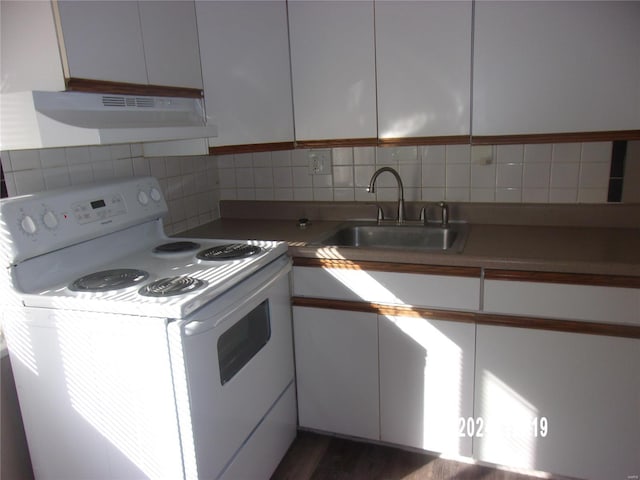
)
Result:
{"points": [[423, 215], [380, 214], [445, 214]]}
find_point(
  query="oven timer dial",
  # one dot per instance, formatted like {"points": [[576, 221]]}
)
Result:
{"points": [[50, 220], [143, 198], [156, 196], [28, 225]]}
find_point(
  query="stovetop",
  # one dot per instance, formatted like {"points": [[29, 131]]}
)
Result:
{"points": [[170, 282]]}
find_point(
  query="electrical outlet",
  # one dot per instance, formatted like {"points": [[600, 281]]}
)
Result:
{"points": [[320, 162]]}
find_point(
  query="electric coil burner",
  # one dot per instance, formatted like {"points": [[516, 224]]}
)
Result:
{"points": [[106, 280], [167, 287], [229, 251], [176, 247]]}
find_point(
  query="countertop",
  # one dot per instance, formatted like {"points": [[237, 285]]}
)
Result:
{"points": [[585, 250]]}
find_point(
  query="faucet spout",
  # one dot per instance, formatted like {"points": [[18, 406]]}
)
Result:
{"points": [[371, 189]]}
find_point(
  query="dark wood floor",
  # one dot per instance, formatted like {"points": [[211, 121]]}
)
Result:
{"points": [[319, 457]]}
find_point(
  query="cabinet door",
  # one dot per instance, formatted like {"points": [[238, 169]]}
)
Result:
{"points": [[170, 36], [555, 67], [337, 371], [333, 69], [423, 66], [103, 40], [426, 383], [245, 67], [560, 402]]}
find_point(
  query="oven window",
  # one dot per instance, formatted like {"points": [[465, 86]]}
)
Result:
{"points": [[243, 340]]}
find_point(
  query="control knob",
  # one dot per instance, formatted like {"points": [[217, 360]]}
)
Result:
{"points": [[143, 198], [50, 220], [28, 225]]}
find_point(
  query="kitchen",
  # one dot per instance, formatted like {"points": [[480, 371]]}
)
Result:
{"points": [[350, 105]]}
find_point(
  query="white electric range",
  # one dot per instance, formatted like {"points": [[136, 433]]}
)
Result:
{"points": [[137, 355]]}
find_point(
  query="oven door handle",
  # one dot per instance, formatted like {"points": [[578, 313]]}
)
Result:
{"points": [[278, 270]]}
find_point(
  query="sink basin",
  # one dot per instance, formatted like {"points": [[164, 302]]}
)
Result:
{"points": [[450, 238]]}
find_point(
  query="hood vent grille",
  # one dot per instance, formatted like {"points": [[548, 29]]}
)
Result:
{"points": [[120, 101]]}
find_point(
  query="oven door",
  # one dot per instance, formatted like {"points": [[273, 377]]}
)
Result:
{"points": [[232, 361]]}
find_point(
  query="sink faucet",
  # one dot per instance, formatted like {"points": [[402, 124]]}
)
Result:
{"points": [[371, 189]]}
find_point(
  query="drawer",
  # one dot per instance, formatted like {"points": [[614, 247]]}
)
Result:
{"points": [[409, 289]]}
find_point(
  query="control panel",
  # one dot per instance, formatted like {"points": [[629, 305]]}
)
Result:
{"points": [[46, 221]]}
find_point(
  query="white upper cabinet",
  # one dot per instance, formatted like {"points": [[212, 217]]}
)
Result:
{"points": [[170, 34], [135, 42], [555, 67], [245, 64], [423, 55], [333, 69]]}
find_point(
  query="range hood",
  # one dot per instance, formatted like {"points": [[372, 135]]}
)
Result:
{"points": [[60, 119]]}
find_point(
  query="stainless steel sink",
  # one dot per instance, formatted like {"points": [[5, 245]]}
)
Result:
{"points": [[449, 238]]}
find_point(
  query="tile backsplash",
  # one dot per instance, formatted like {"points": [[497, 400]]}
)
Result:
{"points": [[189, 183], [532, 173]]}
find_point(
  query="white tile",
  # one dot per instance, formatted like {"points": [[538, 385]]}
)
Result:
{"points": [[596, 152], [483, 176], [29, 181], [100, 153], [432, 154], [343, 194], [412, 194], [594, 175], [173, 168], [457, 194], [301, 177], [103, 170], [123, 167], [361, 195], [80, 174], [566, 152], [342, 156], [508, 195], [510, 153], [300, 157], [433, 175], [225, 161], [264, 193], [535, 195], [283, 194], [458, 154], [593, 195], [536, 175], [323, 194], [25, 160], [458, 175], [509, 175], [77, 155], [282, 177], [158, 167], [227, 178], [263, 177], [262, 159], [189, 183], [246, 194], [385, 157], [362, 174], [228, 194], [243, 160], [141, 166], [538, 153], [187, 165], [386, 194], [177, 210], [343, 176], [57, 177], [120, 151], [433, 194], [564, 175], [136, 150], [53, 157], [411, 174], [322, 181], [281, 158], [244, 177], [407, 154], [364, 156], [174, 188], [483, 194], [563, 195], [302, 194]]}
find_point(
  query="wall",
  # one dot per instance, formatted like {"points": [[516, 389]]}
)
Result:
{"points": [[188, 183], [540, 173]]}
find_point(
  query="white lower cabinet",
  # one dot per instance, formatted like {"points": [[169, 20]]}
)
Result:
{"points": [[564, 403], [426, 383], [337, 371]]}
